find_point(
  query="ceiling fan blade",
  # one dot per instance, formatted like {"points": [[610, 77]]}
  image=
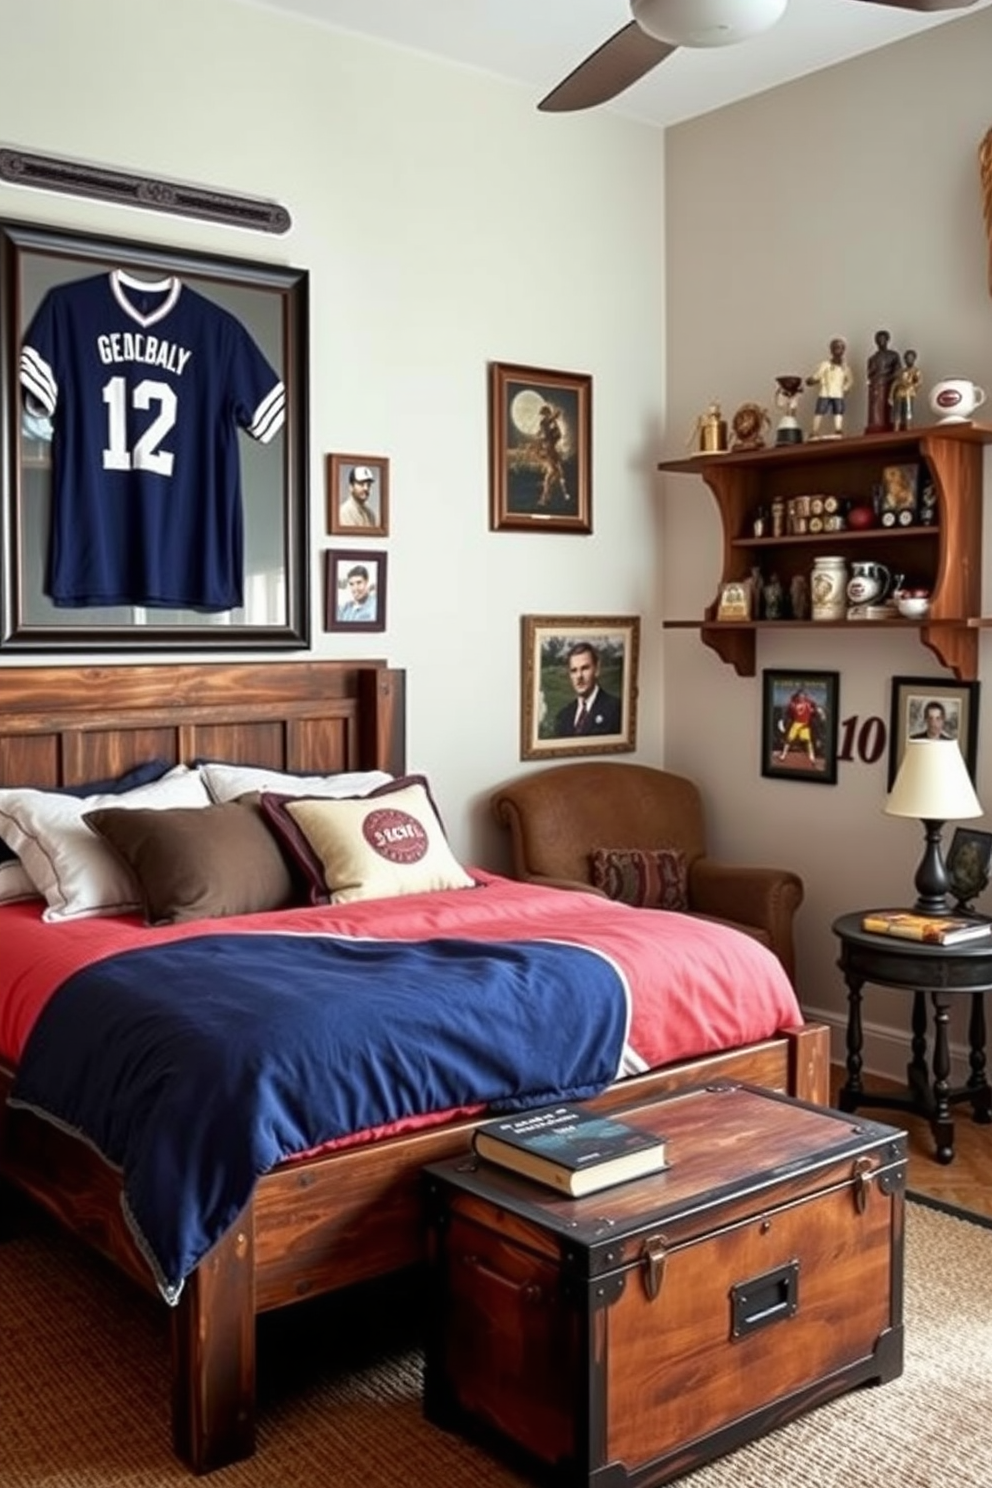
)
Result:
{"points": [[925, 5], [614, 66]]}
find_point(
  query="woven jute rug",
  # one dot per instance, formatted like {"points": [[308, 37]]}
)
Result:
{"points": [[84, 1388]]}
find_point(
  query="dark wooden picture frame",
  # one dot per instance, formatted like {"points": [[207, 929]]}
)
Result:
{"points": [[799, 725], [953, 707], [367, 515], [343, 586], [540, 450], [271, 302], [555, 652], [968, 862]]}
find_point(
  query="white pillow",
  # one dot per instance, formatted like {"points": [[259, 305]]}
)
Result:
{"points": [[228, 782], [75, 871], [14, 883]]}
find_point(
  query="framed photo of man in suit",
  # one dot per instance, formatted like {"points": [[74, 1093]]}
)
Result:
{"points": [[933, 708], [578, 685]]}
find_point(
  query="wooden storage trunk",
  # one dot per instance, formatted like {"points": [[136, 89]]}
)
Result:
{"points": [[627, 1337]]}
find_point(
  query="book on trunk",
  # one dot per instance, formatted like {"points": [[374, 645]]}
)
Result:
{"points": [[929, 929], [570, 1148]]}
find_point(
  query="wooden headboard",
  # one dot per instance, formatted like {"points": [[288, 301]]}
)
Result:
{"points": [[65, 725]]}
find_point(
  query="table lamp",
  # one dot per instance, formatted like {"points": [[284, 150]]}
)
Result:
{"points": [[932, 784]]}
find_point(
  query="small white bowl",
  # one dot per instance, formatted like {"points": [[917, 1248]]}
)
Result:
{"points": [[912, 606]]}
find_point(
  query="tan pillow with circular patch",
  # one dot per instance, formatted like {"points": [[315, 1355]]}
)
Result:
{"points": [[374, 847]]}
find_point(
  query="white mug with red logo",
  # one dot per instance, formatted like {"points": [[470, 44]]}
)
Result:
{"points": [[955, 399]]}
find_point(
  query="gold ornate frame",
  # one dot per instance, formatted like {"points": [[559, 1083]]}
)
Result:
{"points": [[547, 694]]}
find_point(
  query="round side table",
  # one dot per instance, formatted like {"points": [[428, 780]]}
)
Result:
{"points": [[942, 973]]}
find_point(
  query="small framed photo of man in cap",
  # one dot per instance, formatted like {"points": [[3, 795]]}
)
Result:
{"points": [[358, 495]]}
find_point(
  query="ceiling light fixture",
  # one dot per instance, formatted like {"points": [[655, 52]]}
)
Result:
{"points": [[706, 23]]}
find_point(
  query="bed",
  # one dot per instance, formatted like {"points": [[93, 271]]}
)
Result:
{"points": [[341, 1214]]}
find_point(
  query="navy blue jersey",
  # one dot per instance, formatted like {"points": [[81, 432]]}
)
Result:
{"points": [[147, 385]]}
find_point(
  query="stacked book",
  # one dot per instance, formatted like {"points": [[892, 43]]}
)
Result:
{"points": [[945, 930], [572, 1149]]}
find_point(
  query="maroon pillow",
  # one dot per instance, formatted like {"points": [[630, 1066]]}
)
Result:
{"points": [[648, 878]]}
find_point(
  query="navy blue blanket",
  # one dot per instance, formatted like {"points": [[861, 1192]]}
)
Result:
{"points": [[196, 1066]]}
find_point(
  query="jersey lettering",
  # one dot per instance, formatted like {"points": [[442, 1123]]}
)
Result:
{"points": [[134, 346], [146, 455]]}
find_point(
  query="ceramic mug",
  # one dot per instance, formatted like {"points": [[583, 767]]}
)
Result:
{"points": [[868, 582], [955, 399]]}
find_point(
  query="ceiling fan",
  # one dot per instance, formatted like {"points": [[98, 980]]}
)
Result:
{"points": [[660, 27]]}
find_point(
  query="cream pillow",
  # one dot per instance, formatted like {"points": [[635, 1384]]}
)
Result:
{"points": [[14, 883], [76, 873], [377, 847], [228, 782]]}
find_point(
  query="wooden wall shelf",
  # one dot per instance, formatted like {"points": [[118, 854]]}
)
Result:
{"points": [[944, 556]]}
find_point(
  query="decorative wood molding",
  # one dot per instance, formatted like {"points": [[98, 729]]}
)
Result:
{"points": [[985, 167], [50, 173]]}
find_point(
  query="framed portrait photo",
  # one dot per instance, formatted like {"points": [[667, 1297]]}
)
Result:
{"points": [[540, 449], [355, 589], [899, 495], [968, 861], [578, 685], [358, 495], [932, 708], [799, 726]]}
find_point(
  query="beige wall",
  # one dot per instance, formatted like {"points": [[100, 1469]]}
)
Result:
{"points": [[445, 223], [842, 203]]}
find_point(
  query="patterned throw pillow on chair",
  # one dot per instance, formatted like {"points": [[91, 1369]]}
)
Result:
{"points": [[647, 878]]}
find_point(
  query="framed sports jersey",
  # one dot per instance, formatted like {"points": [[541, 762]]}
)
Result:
{"points": [[153, 447]]}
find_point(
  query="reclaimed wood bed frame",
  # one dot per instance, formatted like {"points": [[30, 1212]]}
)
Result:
{"points": [[316, 1225]]}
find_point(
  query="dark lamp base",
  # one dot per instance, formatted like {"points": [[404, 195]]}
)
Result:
{"points": [[932, 881]]}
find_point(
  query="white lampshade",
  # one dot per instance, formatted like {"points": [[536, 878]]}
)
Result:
{"points": [[933, 783], [706, 23]]}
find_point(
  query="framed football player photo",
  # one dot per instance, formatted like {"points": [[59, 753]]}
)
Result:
{"points": [[154, 450], [799, 726]]}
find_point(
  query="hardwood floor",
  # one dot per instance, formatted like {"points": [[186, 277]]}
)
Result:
{"points": [[967, 1181]]}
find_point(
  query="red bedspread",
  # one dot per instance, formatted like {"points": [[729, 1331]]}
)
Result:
{"points": [[695, 987]]}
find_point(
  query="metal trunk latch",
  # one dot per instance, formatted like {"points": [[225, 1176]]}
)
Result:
{"points": [[863, 1175], [654, 1256]]}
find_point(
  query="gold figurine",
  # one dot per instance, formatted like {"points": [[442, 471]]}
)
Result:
{"points": [[709, 435]]}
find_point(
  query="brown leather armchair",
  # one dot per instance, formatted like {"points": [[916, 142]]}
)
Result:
{"points": [[559, 815]]}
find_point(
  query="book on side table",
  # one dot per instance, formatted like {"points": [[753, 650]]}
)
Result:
{"points": [[571, 1149], [930, 929]]}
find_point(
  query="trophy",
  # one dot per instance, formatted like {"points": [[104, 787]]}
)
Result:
{"points": [[787, 398]]}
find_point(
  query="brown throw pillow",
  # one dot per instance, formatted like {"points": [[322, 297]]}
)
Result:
{"points": [[193, 864], [648, 878]]}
